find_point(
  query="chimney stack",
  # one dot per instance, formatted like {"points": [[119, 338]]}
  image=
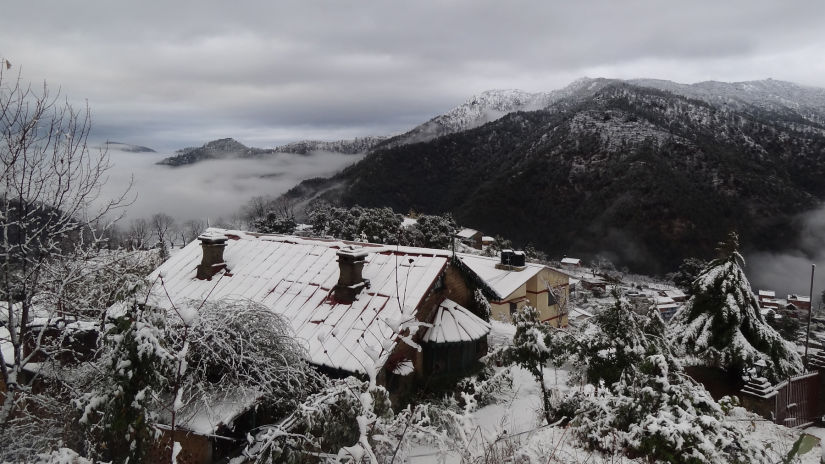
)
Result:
{"points": [[213, 244], [350, 278]]}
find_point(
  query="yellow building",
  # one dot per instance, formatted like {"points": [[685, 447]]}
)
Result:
{"points": [[516, 284]]}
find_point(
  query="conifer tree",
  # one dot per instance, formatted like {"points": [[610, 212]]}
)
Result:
{"points": [[721, 325]]}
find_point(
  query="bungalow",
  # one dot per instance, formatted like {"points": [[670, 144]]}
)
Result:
{"points": [[767, 299], [800, 302], [571, 262], [399, 313], [470, 237], [512, 284], [675, 294], [350, 304]]}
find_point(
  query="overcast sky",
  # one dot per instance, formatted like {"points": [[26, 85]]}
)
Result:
{"points": [[169, 74]]}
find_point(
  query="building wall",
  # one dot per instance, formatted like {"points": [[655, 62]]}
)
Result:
{"points": [[455, 288], [500, 310], [535, 293]]}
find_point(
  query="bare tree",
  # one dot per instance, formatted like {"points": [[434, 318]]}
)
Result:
{"points": [[50, 183], [162, 226], [139, 234], [191, 229]]}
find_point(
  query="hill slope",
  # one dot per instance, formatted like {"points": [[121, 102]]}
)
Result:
{"points": [[640, 174]]}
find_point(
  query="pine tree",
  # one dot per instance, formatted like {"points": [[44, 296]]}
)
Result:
{"points": [[721, 325]]}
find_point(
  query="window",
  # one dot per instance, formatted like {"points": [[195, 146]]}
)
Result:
{"points": [[551, 299], [513, 308]]}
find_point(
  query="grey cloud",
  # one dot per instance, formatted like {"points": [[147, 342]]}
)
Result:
{"points": [[208, 67]]}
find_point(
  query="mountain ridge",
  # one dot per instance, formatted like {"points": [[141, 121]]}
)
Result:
{"points": [[614, 168]]}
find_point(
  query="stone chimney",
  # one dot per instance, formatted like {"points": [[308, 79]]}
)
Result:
{"points": [[350, 278], [212, 244]]}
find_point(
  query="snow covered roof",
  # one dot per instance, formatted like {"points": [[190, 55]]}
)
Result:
{"points": [[408, 222], [674, 293], [502, 281], [799, 298], [768, 293], [466, 233], [488, 239], [294, 277], [574, 261], [455, 323]]}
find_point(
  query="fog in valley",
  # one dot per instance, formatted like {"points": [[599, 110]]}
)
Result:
{"points": [[789, 271], [210, 189]]}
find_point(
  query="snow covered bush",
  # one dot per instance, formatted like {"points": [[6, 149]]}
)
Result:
{"points": [[659, 414], [721, 325], [331, 425], [238, 348], [615, 341], [483, 388], [638, 401], [120, 412]]}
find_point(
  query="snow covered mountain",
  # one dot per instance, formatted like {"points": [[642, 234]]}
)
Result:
{"points": [[489, 106], [648, 175], [216, 149]]}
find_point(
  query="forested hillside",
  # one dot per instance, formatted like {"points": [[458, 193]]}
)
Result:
{"points": [[642, 175]]}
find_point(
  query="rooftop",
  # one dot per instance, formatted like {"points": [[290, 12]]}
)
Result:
{"points": [[455, 323], [502, 281], [294, 278], [466, 233]]}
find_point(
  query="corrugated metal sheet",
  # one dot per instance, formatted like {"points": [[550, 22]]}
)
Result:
{"points": [[294, 278]]}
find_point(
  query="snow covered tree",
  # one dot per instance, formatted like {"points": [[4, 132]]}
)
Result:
{"points": [[535, 345], [163, 226], [380, 225], [50, 183], [721, 325], [437, 231], [637, 400], [120, 412], [236, 347], [274, 223], [656, 412], [617, 340]]}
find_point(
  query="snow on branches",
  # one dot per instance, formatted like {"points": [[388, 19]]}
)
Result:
{"points": [[721, 325], [639, 402]]}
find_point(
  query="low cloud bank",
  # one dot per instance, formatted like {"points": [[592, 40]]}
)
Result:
{"points": [[214, 188]]}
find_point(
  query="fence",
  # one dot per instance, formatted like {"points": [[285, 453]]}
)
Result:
{"points": [[797, 400]]}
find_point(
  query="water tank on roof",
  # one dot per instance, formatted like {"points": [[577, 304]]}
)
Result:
{"points": [[507, 257], [517, 259]]}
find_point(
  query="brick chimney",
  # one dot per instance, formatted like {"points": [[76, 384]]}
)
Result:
{"points": [[350, 280], [212, 261]]}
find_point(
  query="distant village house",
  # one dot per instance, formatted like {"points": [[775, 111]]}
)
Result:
{"points": [[515, 283]]}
